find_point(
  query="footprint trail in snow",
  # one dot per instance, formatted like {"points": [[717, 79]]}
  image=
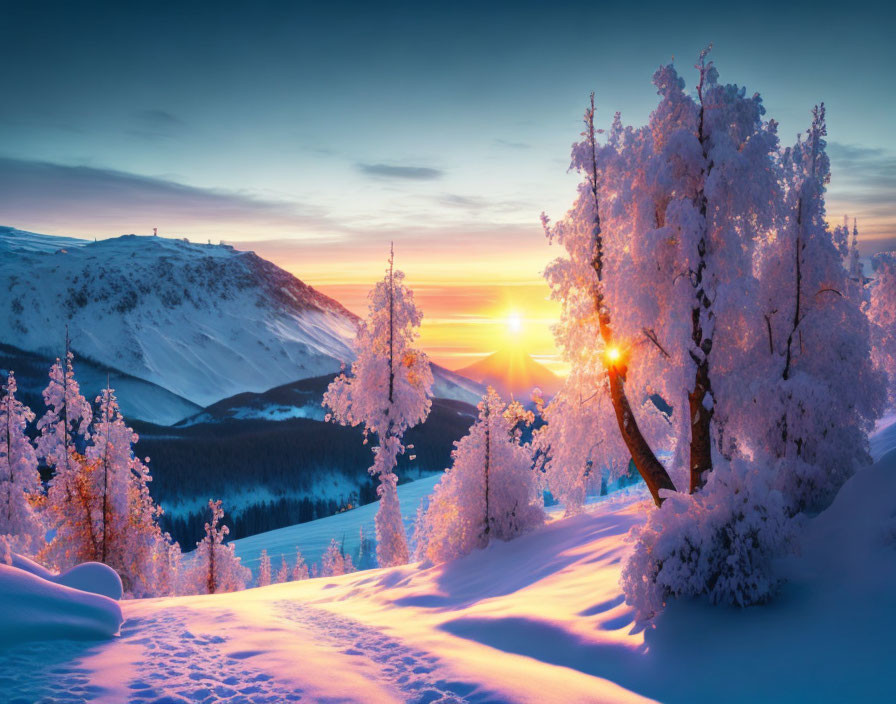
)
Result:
{"points": [[409, 671]]}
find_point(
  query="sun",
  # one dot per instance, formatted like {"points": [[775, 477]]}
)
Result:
{"points": [[514, 322]]}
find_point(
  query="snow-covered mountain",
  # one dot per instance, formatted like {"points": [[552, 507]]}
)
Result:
{"points": [[204, 322]]}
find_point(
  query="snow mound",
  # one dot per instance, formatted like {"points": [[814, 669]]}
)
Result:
{"points": [[93, 577], [38, 609]]}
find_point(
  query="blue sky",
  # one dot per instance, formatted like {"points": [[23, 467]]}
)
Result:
{"points": [[320, 132]]}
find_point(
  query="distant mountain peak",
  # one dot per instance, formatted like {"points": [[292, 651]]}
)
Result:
{"points": [[512, 372]]}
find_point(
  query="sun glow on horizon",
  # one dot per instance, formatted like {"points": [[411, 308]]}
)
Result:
{"points": [[514, 322]]}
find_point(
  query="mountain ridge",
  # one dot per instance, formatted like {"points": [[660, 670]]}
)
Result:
{"points": [[201, 321]]}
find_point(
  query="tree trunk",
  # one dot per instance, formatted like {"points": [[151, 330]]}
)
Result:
{"points": [[210, 582], [649, 467], [701, 423], [488, 456], [701, 415]]}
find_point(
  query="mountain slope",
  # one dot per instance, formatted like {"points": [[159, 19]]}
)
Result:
{"points": [[513, 372], [138, 399], [204, 322]]}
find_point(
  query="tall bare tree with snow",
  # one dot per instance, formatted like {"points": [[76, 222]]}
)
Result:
{"points": [[387, 391]]}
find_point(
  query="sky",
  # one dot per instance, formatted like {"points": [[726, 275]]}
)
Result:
{"points": [[316, 134]]}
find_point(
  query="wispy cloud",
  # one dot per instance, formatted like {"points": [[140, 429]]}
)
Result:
{"points": [[863, 184], [158, 118], [413, 173], [512, 145], [478, 203], [154, 124], [42, 194]]}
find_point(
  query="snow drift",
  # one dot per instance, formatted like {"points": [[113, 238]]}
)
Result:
{"points": [[93, 577], [40, 606]]}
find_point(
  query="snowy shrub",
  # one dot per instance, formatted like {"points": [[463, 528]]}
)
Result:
{"points": [[717, 544], [283, 572], [490, 492], [299, 569], [264, 570], [334, 562]]}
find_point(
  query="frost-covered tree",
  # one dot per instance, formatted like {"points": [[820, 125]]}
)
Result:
{"points": [[815, 381], [388, 391], [699, 271], [111, 517], [264, 570], [594, 407], [19, 478], [490, 491], [63, 432], [819, 391], [110, 455], [299, 568], [168, 574], [216, 568], [882, 315], [334, 561], [579, 439], [282, 572]]}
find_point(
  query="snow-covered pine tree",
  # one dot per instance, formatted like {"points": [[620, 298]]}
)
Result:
{"points": [[299, 569], [144, 569], [490, 491], [62, 436], [216, 568], [283, 572], [882, 315], [264, 570], [388, 391], [19, 478], [856, 271], [110, 454]]}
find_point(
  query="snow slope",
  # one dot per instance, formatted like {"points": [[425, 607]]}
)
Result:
{"points": [[540, 619], [314, 537]]}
